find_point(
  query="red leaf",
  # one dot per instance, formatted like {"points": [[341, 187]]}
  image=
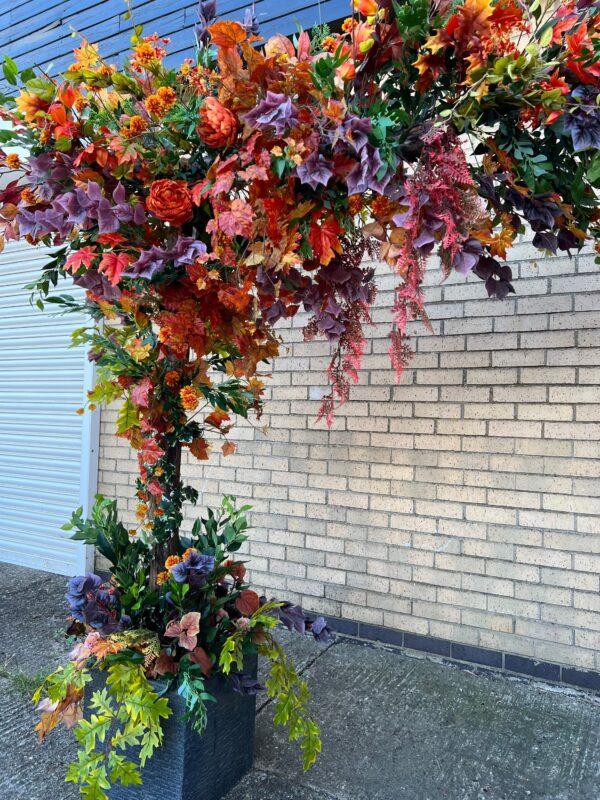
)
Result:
{"points": [[247, 603], [323, 237], [114, 266], [200, 656]]}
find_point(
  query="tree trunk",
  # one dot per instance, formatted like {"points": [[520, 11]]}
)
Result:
{"points": [[171, 546]]}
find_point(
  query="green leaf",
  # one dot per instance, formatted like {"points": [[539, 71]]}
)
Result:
{"points": [[127, 417], [89, 732], [10, 70]]}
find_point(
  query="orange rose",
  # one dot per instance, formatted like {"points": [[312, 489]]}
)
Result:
{"points": [[170, 201], [218, 125]]}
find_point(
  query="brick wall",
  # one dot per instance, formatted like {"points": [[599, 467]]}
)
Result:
{"points": [[463, 503]]}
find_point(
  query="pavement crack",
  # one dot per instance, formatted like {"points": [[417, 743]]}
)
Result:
{"points": [[318, 654]]}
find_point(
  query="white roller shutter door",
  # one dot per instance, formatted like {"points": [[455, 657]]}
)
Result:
{"points": [[48, 453]]}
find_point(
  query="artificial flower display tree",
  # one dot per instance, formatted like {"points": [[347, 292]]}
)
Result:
{"points": [[197, 207]]}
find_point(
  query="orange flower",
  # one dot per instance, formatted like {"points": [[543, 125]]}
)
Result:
{"points": [[366, 7], [13, 161], [154, 105], [171, 561], [172, 378], [167, 97], [218, 125], [170, 201], [188, 552], [162, 577], [137, 125], [144, 54], [189, 398], [355, 204]]}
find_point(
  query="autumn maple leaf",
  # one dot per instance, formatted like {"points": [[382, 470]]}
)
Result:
{"points": [[141, 392], [151, 452], [324, 238], [237, 220], [113, 265], [227, 34], [84, 256], [200, 448]]}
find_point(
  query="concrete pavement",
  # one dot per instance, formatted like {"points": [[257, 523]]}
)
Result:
{"points": [[395, 727]]}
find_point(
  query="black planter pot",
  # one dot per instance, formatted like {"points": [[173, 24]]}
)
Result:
{"points": [[193, 767]]}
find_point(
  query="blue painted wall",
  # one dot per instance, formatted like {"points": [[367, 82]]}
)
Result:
{"points": [[39, 32]]}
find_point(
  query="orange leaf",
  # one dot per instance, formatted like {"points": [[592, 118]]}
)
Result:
{"points": [[227, 34], [247, 603], [228, 448], [200, 448], [324, 238]]}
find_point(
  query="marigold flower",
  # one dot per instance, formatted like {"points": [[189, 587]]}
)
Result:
{"points": [[13, 161], [218, 125], [167, 96], [188, 552], [137, 125], [381, 206], [27, 196], [348, 24], [355, 203], [172, 378], [141, 510], [171, 561], [154, 105], [162, 577], [330, 44], [189, 398], [144, 54]]}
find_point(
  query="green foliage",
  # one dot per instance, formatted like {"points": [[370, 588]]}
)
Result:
{"points": [[291, 697], [104, 531], [130, 715], [222, 531]]}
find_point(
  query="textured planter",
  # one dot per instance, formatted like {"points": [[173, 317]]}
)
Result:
{"points": [[192, 767]]}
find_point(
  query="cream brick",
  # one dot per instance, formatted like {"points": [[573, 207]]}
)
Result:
{"points": [[463, 503]]}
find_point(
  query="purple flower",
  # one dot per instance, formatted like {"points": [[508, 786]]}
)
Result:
{"points": [[194, 569], [320, 630], [250, 23], [584, 127], [75, 205], [40, 167], [96, 283], [468, 256], [207, 12], [81, 589], [276, 110], [148, 264], [356, 131], [364, 174], [187, 249], [315, 170]]}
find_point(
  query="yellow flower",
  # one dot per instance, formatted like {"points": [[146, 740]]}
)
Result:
{"points": [[162, 577], [189, 398], [171, 561], [141, 510]]}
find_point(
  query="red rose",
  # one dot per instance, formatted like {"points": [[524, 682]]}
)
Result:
{"points": [[218, 125], [170, 201]]}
